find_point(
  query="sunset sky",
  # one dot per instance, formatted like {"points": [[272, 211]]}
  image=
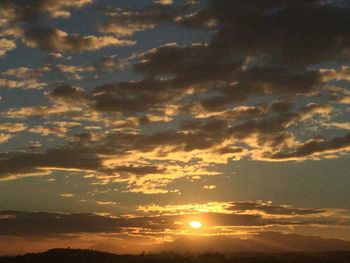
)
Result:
{"points": [[123, 121]]}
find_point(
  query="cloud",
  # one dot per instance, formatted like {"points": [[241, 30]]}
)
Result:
{"points": [[265, 209], [25, 72], [225, 81], [133, 96], [4, 137], [340, 125], [7, 13], [105, 203], [32, 10], [186, 73], [108, 63], [25, 84], [280, 79], [283, 31], [336, 74], [53, 40], [225, 221], [24, 77], [210, 140], [139, 170], [60, 224], [54, 159], [21, 224], [209, 187], [12, 127], [67, 195], [36, 78], [6, 45], [195, 57], [316, 146], [66, 93], [164, 2], [172, 220], [60, 8], [269, 208], [59, 129], [38, 111], [124, 22]]}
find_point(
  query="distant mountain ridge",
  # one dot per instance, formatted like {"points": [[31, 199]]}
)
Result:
{"points": [[265, 247], [90, 256], [265, 242]]}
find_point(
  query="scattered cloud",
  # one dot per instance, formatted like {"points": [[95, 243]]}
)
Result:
{"points": [[6, 45], [122, 22], [53, 40], [12, 127], [31, 10]]}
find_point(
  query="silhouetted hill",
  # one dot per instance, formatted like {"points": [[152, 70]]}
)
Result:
{"points": [[90, 256]]}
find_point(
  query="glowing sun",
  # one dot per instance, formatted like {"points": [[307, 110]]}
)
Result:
{"points": [[195, 224]]}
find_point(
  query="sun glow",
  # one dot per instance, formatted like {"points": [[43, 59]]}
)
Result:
{"points": [[195, 224]]}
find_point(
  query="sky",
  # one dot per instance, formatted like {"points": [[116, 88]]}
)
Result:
{"points": [[123, 121]]}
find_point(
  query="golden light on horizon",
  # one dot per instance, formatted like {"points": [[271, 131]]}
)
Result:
{"points": [[195, 224]]}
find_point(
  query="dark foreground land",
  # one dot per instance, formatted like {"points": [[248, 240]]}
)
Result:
{"points": [[89, 256]]}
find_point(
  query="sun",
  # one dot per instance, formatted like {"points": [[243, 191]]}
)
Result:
{"points": [[195, 224]]}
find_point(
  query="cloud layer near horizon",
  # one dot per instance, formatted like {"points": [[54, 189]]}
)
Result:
{"points": [[165, 227]]}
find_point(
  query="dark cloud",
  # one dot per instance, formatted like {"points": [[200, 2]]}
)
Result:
{"points": [[257, 46], [224, 79], [32, 224], [196, 63], [281, 106], [29, 224], [226, 150], [67, 93], [316, 146], [27, 163], [131, 97], [80, 155], [271, 209], [284, 31], [270, 125], [32, 10], [193, 67], [280, 79]]}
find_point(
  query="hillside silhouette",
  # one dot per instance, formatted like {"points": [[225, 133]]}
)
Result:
{"points": [[90, 256]]}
